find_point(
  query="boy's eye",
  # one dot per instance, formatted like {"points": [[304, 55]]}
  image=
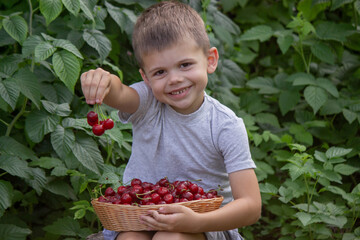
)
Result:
{"points": [[160, 72], [184, 65]]}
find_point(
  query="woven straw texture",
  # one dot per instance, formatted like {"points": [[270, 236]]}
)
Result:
{"points": [[117, 217]]}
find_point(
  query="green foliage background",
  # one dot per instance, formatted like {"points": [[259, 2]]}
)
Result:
{"points": [[290, 69]]}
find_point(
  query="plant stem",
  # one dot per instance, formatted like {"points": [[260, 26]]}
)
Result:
{"points": [[30, 17], [11, 125], [307, 66]]}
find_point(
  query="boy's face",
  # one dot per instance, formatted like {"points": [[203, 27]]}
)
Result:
{"points": [[177, 75]]}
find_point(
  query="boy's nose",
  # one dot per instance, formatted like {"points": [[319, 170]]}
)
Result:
{"points": [[175, 78]]}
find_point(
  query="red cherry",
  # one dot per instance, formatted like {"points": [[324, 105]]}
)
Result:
{"points": [[188, 195], [168, 198], [126, 198], [98, 129], [92, 118], [136, 181], [108, 124], [162, 191], [121, 190], [194, 188], [109, 192], [155, 198]]}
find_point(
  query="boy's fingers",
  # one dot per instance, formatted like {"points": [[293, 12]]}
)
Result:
{"points": [[103, 85]]}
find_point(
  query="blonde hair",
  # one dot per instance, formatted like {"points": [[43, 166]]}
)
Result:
{"points": [[164, 24]]}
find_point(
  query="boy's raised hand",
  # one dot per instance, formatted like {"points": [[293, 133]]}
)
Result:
{"points": [[95, 85]]}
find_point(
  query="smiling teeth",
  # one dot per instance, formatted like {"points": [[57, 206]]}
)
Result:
{"points": [[179, 92]]}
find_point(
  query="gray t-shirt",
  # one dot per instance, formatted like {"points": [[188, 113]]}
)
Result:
{"points": [[207, 144]]}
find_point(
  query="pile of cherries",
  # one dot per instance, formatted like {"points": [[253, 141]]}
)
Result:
{"points": [[163, 192], [99, 126]]}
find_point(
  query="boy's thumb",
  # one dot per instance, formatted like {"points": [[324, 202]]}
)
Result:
{"points": [[169, 209]]}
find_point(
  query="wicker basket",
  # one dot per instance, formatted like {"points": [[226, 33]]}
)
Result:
{"points": [[117, 217]]}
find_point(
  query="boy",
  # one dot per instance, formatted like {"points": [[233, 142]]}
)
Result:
{"points": [[179, 131]]}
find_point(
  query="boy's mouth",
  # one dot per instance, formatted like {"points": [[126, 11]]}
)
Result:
{"points": [[179, 91]]}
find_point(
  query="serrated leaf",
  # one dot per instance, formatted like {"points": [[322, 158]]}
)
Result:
{"points": [[304, 218], [336, 152], [268, 188], [357, 6], [61, 188], [267, 118], [335, 4], [13, 232], [299, 79], [11, 146], [260, 32], [14, 166], [285, 41], [50, 9], [349, 115], [116, 14], [338, 221], [288, 100], [67, 45], [43, 51], [323, 52], [29, 45], [328, 86], [10, 92], [333, 31], [6, 191], [29, 85], [38, 180], [316, 97], [99, 41], [39, 123], [67, 68], [85, 7], [16, 27], [301, 134], [88, 154], [58, 109], [62, 140], [72, 6], [66, 226], [265, 85], [345, 169]]}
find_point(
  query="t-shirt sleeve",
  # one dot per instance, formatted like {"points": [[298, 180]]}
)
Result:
{"points": [[234, 145], [145, 99]]}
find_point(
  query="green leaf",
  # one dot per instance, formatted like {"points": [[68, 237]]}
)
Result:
{"points": [[350, 116], [47, 162], [50, 9], [86, 8], [30, 44], [323, 52], [259, 32], [99, 41], [265, 85], [267, 118], [67, 68], [288, 100], [10, 92], [336, 152], [39, 123], [6, 191], [16, 27], [301, 134], [62, 140], [11, 146], [29, 85], [15, 166], [67, 45], [58, 109], [61, 188], [72, 6], [338, 221], [299, 79], [116, 14], [333, 31], [43, 51], [316, 97], [285, 41], [268, 188], [304, 218], [38, 180], [328, 86], [66, 226], [87, 152], [335, 4], [12, 232], [345, 169], [357, 6]]}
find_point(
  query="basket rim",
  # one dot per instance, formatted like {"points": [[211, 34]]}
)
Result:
{"points": [[218, 198]]}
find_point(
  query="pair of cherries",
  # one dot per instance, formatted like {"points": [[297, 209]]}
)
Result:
{"points": [[99, 127]]}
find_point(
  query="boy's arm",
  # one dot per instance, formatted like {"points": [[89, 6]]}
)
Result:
{"points": [[244, 210], [100, 86]]}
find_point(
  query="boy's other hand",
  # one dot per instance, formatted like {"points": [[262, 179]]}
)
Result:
{"points": [[95, 85], [172, 218]]}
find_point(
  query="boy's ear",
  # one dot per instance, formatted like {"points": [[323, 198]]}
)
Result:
{"points": [[212, 58], [143, 76]]}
